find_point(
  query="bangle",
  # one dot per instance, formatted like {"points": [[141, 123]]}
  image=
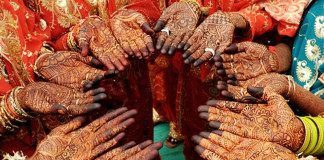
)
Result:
{"points": [[307, 136], [291, 85], [45, 51], [273, 50], [319, 123], [314, 136]]}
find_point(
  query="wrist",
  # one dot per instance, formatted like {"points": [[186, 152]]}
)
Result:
{"points": [[240, 23]]}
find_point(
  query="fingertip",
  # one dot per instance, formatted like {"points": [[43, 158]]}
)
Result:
{"points": [[57, 108], [203, 108], [146, 28], [180, 45], [186, 46], [255, 91], [231, 49], [159, 25]]}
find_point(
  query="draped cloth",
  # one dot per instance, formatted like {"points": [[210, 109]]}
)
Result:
{"points": [[179, 89], [26, 25], [308, 52]]}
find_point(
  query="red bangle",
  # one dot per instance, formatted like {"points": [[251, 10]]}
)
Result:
{"points": [[273, 50]]}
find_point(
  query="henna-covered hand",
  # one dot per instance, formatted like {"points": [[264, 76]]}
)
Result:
{"points": [[213, 34], [219, 145], [238, 90], [133, 33], [70, 69], [50, 98], [68, 141], [96, 36], [145, 150], [246, 60], [272, 122], [180, 19]]}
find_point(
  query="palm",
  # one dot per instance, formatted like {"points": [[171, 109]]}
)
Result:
{"points": [[215, 33], [69, 69], [180, 19], [52, 97]]}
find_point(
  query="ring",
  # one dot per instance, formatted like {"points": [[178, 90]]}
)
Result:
{"points": [[77, 101], [234, 121], [166, 30], [242, 92], [232, 57], [67, 108], [231, 65], [80, 39], [87, 76], [210, 50]]}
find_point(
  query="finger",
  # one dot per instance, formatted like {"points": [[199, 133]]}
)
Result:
{"points": [[116, 121], [227, 105], [102, 137], [218, 140], [57, 109], [102, 120], [227, 57], [135, 48], [90, 93], [151, 155], [196, 54], [110, 74], [221, 85], [206, 144], [228, 94], [231, 128], [160, 42], [121, 55], [82, 109], [232, 82], [205, 57], [144, 152], [84, 45], [89, 100], [167, 43], [102, 147], [221, 72], [184, 40], [217, 57], [107, 61], [141, 44], [223, 117], [255, 91], [160, 23], [116, 151], [133, 150], [68, 127], [232, 137], [191, 50], [146, 28], [192, 40], [203, 108], [88, 85], [175, 43], [127, 48], [231, 49], [206, 154], [149, 43]]}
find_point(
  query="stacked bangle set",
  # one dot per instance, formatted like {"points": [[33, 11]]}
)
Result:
{"points": [[314, 136]]}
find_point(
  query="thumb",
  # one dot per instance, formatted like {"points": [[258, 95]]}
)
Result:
{"points": [[58, 109], [256, 92]]}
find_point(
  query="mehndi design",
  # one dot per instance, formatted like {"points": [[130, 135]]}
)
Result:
{"points": [[246, 60], [180, 19], [133, 33]]}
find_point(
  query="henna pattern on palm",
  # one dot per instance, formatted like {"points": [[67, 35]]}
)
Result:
{"points": [[50, 98], [238, 90], [272, 122], [69, 69], [215, 33], [218, 145], [246, 60], [97, 36], [180, 19], [68, 141], [133, 33]]}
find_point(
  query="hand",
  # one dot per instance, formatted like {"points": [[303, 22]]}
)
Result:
{"points": [[133, 33], [69, 69], [272, 122], [68, 141], [180, 19], [238, 90], [215, 33], [97, 36], [219, 145], [246, 60], [145, 150], [50, 98]]}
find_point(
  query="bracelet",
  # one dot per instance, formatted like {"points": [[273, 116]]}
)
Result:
{"points": [[314, 136], [291, 85], [36, 62], [273, 50]]}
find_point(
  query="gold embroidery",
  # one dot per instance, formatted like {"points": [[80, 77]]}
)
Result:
{"points": [[121, 3], [313, 51], [304, 73], [14, 5], [67, 11], [319, 26]]}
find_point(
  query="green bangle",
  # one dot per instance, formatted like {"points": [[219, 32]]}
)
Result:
{"points": [[320, 129], [307, 136], [314, 136], [321, 148]]}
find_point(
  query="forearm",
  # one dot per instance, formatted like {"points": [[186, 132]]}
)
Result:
{"points": [[306, 101], [284, 55]]}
